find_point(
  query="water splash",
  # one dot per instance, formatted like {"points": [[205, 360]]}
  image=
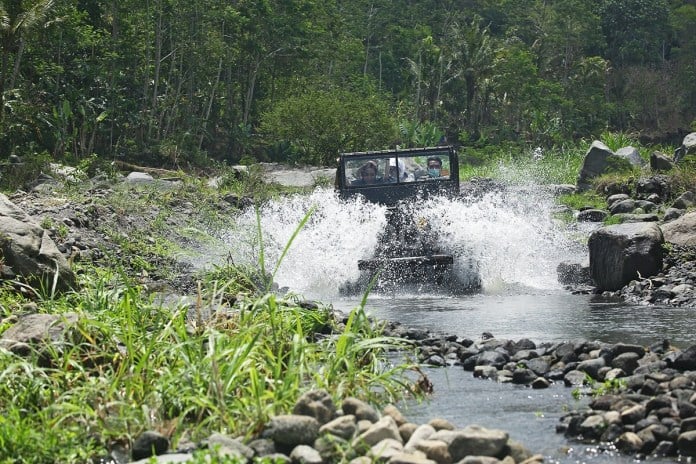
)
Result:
{"points": [[510, 235]]}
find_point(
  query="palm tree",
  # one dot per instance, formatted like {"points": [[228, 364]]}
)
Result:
{"points": [[472, 56], [16, 20]]}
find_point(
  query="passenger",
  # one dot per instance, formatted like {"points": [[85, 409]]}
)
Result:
{"points": [[434, 166], [368, 174], [396, 172]]}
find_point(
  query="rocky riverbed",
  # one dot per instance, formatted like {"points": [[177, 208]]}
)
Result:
{"points": [[648, 399]]}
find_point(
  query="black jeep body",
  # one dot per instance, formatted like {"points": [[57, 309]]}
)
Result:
{"points": [[408, 254]]}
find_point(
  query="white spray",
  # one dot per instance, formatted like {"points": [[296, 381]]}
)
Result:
{"points": [[510, 235]]}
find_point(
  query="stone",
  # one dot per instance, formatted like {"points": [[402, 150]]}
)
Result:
{"points": [[681, 231], [149, 443], [624, 252], [306, 455], [382, 429], [317, 404], [229, 447], [686, 443], [360, 409], [629, 443], [599, 160], [29, 251], [473, 441], [343, 427], [292, 430]]}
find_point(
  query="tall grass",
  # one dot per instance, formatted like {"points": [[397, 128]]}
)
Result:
{"points": [[131, 364], [516, 164]]}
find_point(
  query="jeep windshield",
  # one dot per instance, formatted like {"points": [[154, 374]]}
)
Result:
{"points": [[393, 175]]}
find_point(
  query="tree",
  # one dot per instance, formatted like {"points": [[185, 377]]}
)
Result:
{"points": [[319, 124], [17, 19], [636, 31]]}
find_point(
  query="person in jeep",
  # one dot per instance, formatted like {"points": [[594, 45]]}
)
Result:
{"points": [[368, 174]]}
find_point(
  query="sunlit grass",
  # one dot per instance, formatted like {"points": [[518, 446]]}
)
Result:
{"points": [[524, 165], [131, 365]]}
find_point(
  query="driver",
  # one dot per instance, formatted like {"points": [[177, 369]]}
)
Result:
{"points": [[368, 174]]}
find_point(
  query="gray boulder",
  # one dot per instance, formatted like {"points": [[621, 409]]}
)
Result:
{"points": [[624, 252], [681, 231], [688, 146], [685, 200], [599, 160], [27, 248], [660, 162]]}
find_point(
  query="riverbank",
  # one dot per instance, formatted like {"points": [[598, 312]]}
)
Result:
{"points": [[151, 230]]}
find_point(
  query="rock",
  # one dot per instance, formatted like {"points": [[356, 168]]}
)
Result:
{"points": [[632, 155], [686, 443], [672, 214], [381, 430], [592, 215], [629, 442], [229, 447], [599, 160], [681, 231], [29, 251], [660, 162], [148, 444], [472, 441], [343, 427], [37, 330], [305, 454], [621, 253], [624, 206], [627, 362], [317, 404], [686, 360], [685, 201], [423, 432], [360, 409], [687, 147], [435, 450], [139, 178], [292, 430]]}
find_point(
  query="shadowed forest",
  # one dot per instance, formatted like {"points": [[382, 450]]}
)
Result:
{"points": [[185, 83]]}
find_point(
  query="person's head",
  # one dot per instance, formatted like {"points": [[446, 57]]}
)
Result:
{"points": [[368, 172], [434, 166]]}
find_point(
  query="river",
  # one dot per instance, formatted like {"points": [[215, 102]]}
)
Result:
{"points": [[516, 242]]}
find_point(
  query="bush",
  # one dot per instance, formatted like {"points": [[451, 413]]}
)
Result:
{"points": [[320, 124]]}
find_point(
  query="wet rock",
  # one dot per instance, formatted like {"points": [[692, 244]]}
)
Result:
{"points": [[686, 443], [148, 444], [292, 430]]}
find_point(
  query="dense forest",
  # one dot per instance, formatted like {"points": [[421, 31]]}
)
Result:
{"points": [[186, 82]]}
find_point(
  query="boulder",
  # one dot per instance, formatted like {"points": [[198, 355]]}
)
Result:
{"points": [[685, 200], [688, 146], [681, 231], [624, 252], [660, 162], [599, 160], [27, 248]]}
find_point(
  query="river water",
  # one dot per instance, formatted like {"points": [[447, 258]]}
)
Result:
{"points": [[516, 244]]}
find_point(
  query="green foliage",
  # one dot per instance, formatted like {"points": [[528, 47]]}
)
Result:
{"points": [[320, 124], [618, 140], [522, 165], [419, 134], [587, 199], [183, 83], [130, 365]]}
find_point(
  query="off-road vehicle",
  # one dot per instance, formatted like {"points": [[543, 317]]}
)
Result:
{"points": [[408, 254]]}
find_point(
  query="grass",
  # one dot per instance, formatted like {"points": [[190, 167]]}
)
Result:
{"points": [[131, 365], [236, 356], [516, 164]]}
